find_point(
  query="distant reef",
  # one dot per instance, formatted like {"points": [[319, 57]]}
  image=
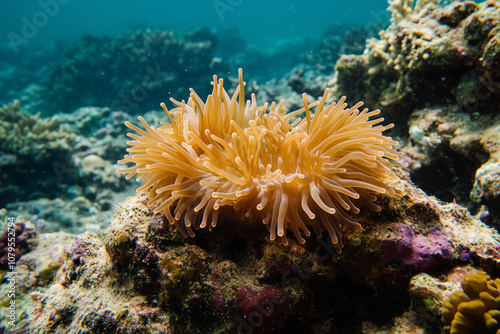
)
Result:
{"points": [[130, 72]]}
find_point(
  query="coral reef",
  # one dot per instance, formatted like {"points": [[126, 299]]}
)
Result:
{"points": [[19, 72], [461, 149], [29, 146], [284, 54], [454, 47], [341, 39], [447, 142], [59, 168], [27, 135], [417, 265], [142, 274], [486, 188], [73, 215], [436, 69], [131, 72]]}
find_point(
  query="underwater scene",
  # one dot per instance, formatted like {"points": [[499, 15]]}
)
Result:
{"points": [[237, 166]]}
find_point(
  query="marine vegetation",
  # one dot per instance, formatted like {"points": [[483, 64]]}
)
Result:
{"points": [[227, 156], [476, 309]]}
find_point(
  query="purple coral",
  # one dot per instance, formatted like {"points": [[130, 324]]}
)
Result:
{"points": [[264, 310], [416, 250], [16, 239], [76, 250]]}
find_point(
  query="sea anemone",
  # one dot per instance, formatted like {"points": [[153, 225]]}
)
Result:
{"points": [[264, 163]]}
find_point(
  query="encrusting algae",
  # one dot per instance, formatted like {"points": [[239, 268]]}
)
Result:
{"points": [[267, 164]]}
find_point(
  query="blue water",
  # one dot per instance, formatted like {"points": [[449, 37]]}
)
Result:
{"points": [[263, 23], [266, 38], [57, 56]]}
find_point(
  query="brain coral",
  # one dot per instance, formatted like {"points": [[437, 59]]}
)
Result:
{"points": [[266, 165], [476, 309]]}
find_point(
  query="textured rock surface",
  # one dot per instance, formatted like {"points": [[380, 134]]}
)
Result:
{"points": [[454, 147], [437, 70], [428, 55], [140, 274]]}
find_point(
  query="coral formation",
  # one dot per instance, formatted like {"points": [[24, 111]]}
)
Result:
{"points": [[465, 148], [142, 274], [130, 72], [34, 274], [45, 161], [342, 39], [475, 309], [24, 134], [436, 69], [16, 241], [454, 47], [430, 292], [49, 166], [486, 187], [445, 139], [75, 215], [29, 146], [223, 153]]}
